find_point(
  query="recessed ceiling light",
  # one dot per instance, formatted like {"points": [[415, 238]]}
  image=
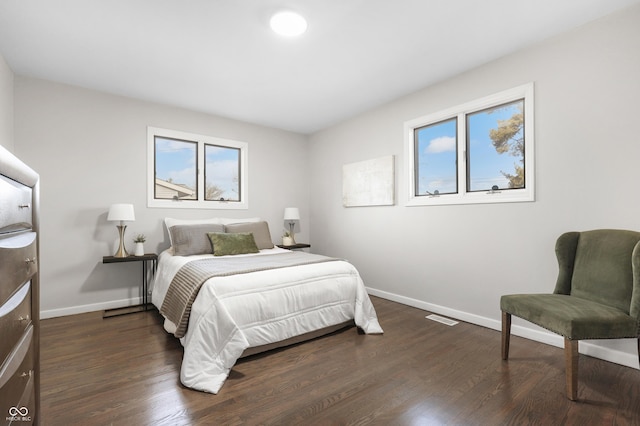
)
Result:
{"points": [[288, 24]]}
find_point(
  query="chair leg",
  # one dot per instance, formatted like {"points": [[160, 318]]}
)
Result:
{"points": [[639, 351], [506, 334], [571, 367]]}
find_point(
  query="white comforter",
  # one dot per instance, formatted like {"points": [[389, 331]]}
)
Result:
{"points": [[232, 313]]}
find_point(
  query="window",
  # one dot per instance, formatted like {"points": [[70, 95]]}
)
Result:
{"points": [[436, 163], [195, 171], [479, 152], [222, 173]]}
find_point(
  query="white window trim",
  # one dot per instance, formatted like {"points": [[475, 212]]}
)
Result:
{"points": [[462, 197], [200, 203]]}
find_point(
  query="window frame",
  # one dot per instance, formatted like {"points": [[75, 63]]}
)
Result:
{"points": [[464, 195], [200, 202]]}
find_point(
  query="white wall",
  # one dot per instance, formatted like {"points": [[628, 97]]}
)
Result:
{"points": [[458, 260], [6, 105], [90, 151]]}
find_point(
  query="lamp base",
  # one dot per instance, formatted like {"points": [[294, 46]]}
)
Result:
{"points": [[291, 226], [122, 251]]}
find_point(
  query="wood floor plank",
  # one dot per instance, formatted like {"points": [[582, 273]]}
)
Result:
{"points": [[125, 370]]}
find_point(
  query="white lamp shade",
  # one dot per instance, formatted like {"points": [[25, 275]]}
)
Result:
{"points": [[291, 213], [121, 212]]}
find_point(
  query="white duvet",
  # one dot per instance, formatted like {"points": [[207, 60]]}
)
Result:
{"points": [[233, 313]]}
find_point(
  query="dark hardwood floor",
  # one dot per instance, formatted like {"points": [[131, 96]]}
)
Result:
{"points": [[125, 371]]}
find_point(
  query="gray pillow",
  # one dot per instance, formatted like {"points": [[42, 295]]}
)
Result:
{"points": [[237, 243], [193, 239], [260, 231]]}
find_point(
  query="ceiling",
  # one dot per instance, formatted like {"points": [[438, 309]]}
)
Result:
{"points": [[220, 56]]}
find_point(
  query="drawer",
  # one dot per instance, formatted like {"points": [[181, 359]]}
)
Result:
{"points": [[15, 206], [17, 262], [17, 392], [15, 317]]}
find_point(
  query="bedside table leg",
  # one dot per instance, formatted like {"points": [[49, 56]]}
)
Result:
{"points": [[153, 264], [144, 284]]}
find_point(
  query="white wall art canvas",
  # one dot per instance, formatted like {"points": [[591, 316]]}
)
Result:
{"points": [[368, 183]]}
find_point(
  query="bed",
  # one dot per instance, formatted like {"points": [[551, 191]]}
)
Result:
{"points": [[226, 291]]}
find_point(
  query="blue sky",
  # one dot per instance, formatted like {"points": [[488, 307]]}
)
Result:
{"points": [[176, 161], [436, 153]]}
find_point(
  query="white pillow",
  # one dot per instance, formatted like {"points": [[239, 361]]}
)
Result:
{"points": [[170, 222], [230, 220]]}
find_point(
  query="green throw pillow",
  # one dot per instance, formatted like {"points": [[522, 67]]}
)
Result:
{"points": [[238, 243]]}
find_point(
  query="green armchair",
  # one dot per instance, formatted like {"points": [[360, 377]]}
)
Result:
{"points": [[597, 295]]}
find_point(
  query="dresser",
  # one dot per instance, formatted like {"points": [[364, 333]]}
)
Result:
{"points": [[19, 293]]}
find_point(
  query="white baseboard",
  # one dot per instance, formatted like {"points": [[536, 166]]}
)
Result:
{"points": [[586, 348], [82, 309]]}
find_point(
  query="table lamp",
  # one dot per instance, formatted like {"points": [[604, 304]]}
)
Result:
{"points": [[122, 213], [291, 214]]}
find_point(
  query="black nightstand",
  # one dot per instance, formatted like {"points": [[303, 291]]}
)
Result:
{"points": [[149, 263], [295, 246]]}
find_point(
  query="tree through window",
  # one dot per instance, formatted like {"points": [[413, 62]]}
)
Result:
{"points": [[495, 148]]}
